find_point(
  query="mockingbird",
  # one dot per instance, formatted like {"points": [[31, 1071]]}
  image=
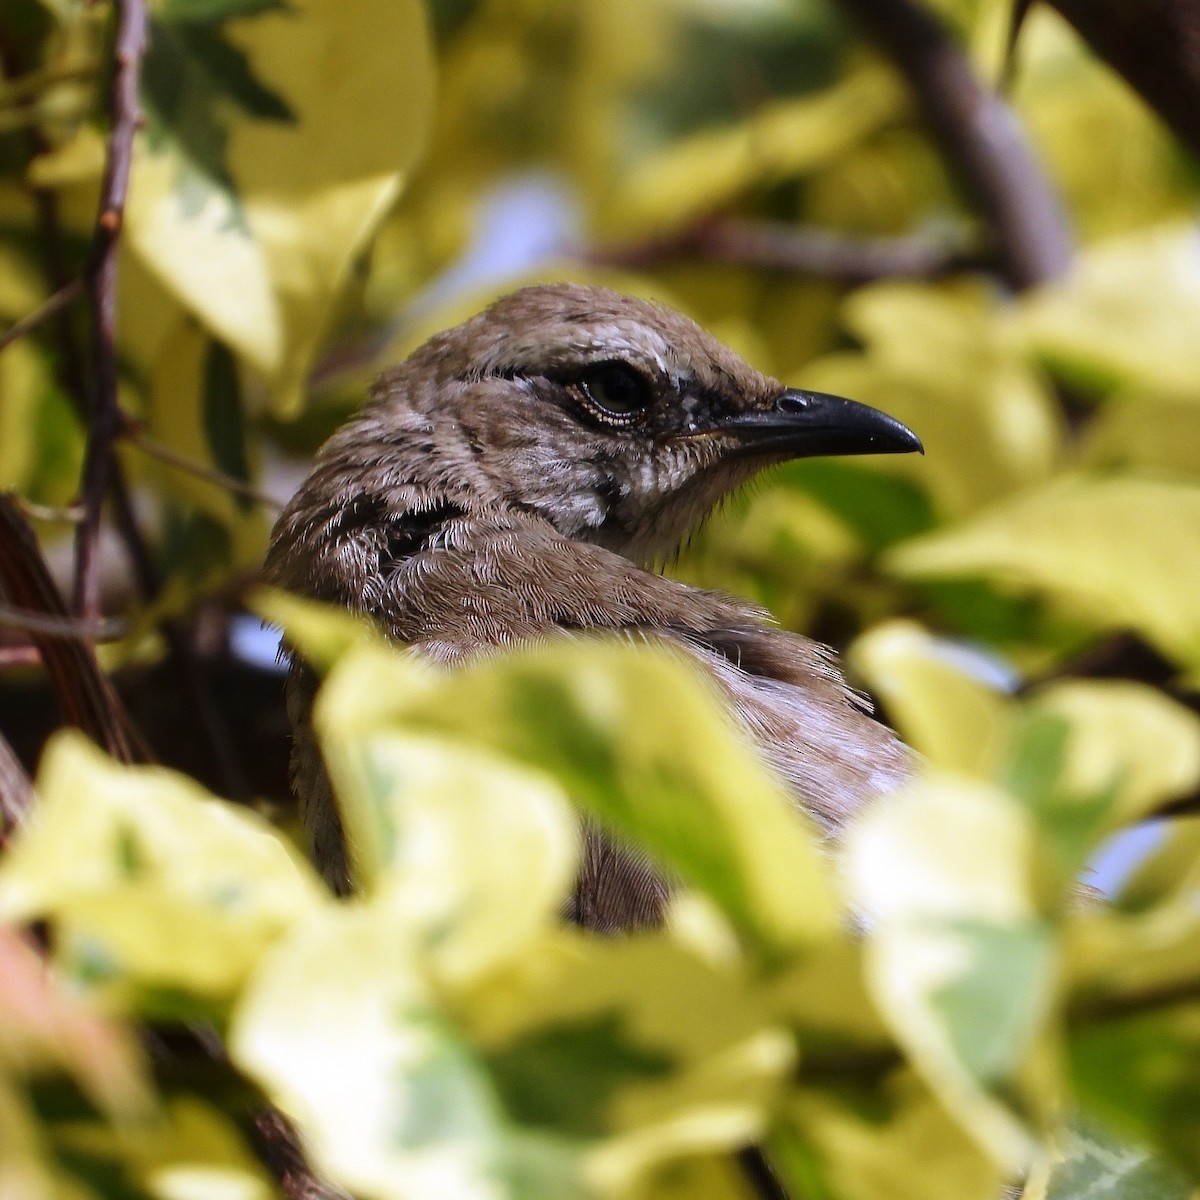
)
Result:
{"points": [[519, 476]]}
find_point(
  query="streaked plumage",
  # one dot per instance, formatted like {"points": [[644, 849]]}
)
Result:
{"points": [[518, 476]]}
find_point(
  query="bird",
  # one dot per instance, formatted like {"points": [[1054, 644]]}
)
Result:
{"points": [[521, 477]]}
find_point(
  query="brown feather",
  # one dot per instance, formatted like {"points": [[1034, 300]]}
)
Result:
{"points": [[479, 501]]}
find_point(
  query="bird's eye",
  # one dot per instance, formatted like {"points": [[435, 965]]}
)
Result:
{"points": [[616, 389]]}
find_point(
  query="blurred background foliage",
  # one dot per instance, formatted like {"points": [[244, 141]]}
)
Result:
{"points": [[954, 210]]}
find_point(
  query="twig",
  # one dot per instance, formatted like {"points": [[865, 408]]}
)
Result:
{"points": [[83, 692], [980, 137], [20, 656], [280, 1149], [71, 370], [18, 92], [147, 445], [70, 514], [192, 680], [61, 627], [759, 1175], [819, 253], [1135, 1004], [47, 309], [104, 424]]}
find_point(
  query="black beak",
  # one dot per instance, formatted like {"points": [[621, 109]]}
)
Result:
{"points": [[804, 424]]}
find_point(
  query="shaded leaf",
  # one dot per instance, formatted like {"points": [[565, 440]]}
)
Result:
{"points": [[1122, 552]]}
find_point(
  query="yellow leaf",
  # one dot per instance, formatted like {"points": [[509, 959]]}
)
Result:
{"points": [[639, 740], [473, 854], [21, 290], [1128, 734], [262, 265], [152, 880], [702, 1059], [1127, 313], [1122, 552], [959, 963], [944, 361], [1153, 433], [940, 708], [80, 159], [321, 633], [197, 1153], [903, 1145], [181, 395], [343, 1033], [23, 378], [784, 138], [702, 1177]]}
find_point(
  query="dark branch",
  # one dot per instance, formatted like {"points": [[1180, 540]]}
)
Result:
{"points": [[82, 690], [1155, 45], [164, 454], [819, 253], [104, 418], [47, 309], [61, 627], [981, 139]]}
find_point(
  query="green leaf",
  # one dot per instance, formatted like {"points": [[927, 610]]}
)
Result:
{"points": [[538, 1074], [985, 1008], [1094, 1164], [223, 421], [187, 71], [1141, 1074], [880, 508], [959, 964]]}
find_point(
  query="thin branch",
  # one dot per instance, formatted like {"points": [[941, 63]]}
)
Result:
{"points": [[819, 253], [47, 309], [61, 627], [1135, 1004], [980, 137], [70, 514], [72, 372], [759, 1175], [20, 656], [18, 92], [83, 692], [279, 1147], [1181, 806], [104, 424], [147, 445]]}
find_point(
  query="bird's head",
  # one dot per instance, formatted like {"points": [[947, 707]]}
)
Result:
{"points": [[619, 420]]}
